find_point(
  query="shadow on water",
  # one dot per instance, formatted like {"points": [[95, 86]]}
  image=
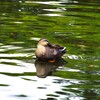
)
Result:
{"points": [[46, 68]]}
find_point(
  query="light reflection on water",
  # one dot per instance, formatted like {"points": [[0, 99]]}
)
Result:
{"points": [[15, 55], [74, 24], [35, 87], [15, 66]]}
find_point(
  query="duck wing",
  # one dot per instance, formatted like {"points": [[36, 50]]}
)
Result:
{"points": [[60, 49], [51, 52], [54, 51]]}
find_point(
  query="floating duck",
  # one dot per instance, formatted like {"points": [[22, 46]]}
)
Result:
{"points": [[47, 51]]}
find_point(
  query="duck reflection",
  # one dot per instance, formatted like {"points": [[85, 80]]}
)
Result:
{"points": [[46, 68]]}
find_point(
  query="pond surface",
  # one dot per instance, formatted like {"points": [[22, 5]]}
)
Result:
{"points": [[74, 24]]}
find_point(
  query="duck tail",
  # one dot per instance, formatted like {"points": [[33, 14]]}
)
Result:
{"points": [[63, 50]]}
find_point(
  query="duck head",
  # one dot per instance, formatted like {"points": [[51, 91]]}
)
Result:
{"points": [[43, 42]]}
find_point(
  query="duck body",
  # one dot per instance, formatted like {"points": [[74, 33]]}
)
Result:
{"points": [[48, 51]]}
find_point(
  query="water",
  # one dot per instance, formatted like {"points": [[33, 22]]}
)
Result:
{"points": [[74, 24]]}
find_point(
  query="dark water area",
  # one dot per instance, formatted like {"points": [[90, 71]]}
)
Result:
{"points": [[74, 24]]}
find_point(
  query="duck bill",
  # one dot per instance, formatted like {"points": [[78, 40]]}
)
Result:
{"points": [[49, 44]]}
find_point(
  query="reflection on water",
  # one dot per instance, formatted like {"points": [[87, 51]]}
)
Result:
{"points": [[45, 68], [74, 24]]}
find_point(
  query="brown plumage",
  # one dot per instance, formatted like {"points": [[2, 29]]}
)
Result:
{"points": [[48, 51]]}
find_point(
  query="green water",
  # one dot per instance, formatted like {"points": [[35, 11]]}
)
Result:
{"points": [[74, 24]]}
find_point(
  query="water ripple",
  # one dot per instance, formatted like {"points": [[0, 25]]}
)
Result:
{"points": [[16, 55], [46, 3], [15, 66], [71, 23]]}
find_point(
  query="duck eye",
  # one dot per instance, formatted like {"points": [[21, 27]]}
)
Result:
{"points": [[46, 40]]}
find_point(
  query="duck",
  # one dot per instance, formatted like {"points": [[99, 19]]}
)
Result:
{"points": [[48, 51]]}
